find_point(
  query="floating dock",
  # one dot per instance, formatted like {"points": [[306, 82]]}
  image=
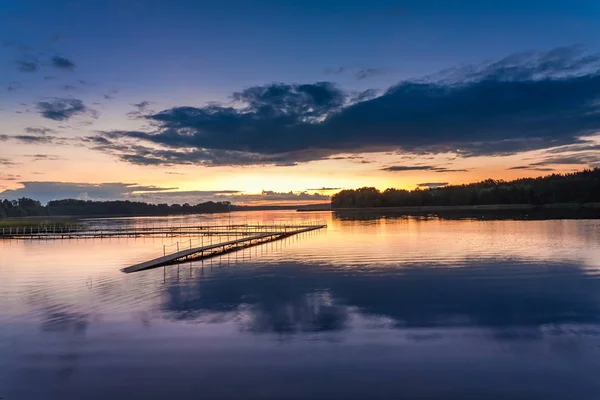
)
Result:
{"points": [[219, 248]]}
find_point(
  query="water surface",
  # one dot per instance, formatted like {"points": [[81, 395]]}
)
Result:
{"points": [[377, 307]]}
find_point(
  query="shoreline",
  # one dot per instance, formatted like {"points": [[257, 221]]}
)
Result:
{"points": [[482, 207], [72, 219]]}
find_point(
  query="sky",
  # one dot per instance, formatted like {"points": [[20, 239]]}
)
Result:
{"points": [[291, 101]]}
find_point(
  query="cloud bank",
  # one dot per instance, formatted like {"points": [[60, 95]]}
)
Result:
{"points": [[62, 63], [47, 191], [523, 102]]}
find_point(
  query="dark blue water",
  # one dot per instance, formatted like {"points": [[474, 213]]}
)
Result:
{"points": [[381, 308]]}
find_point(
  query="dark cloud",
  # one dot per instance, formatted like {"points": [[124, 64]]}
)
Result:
{"points": [[521, 167], [69, 88], [432, 185], [530, 168], [49, 78], [59, 109], [62, 63], [403, 168], [560, 62], [27, 66], [5, 161], [365, 73], [523, 102], [97, 141], [141, 109], [142, 155], [141, 106], [282, 102], [31, 139], [325, 189], [572, 159], [9, 177], [36, 139], [44, 157], [39, 130], [352, 157], [582, 153], [583, 145]]}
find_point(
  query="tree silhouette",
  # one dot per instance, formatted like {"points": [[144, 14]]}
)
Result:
{"points": [[579, 187]]}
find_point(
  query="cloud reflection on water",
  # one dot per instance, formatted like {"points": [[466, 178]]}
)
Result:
{"points": [[292, 297]]}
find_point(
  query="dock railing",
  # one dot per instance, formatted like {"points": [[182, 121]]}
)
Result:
{"points": [[246, 230]]}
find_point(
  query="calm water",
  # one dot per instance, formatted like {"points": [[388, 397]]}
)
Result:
{"points": [[369, 308]]}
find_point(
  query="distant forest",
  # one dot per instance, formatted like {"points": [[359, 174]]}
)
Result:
{"points": [[25, 207], [580, 187]]}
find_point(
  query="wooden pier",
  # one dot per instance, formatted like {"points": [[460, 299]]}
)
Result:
{"points": [[83, 231], [201, 241], [218, 248]]}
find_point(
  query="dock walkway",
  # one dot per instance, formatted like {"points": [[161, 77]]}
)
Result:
{"points": [[217, 249]]}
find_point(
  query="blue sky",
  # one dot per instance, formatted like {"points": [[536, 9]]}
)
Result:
{"points": [[191, 53]]}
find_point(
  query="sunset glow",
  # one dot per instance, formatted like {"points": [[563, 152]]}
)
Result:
{"points": [[245, 115]]}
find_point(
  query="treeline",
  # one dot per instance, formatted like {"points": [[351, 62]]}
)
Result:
{"points": [[580, 187], [26, 207]]}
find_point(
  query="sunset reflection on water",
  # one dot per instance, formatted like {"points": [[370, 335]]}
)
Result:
{"points": [[372, 305]]}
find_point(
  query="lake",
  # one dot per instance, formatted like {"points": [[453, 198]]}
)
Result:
{"points": [[374, 306]]}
